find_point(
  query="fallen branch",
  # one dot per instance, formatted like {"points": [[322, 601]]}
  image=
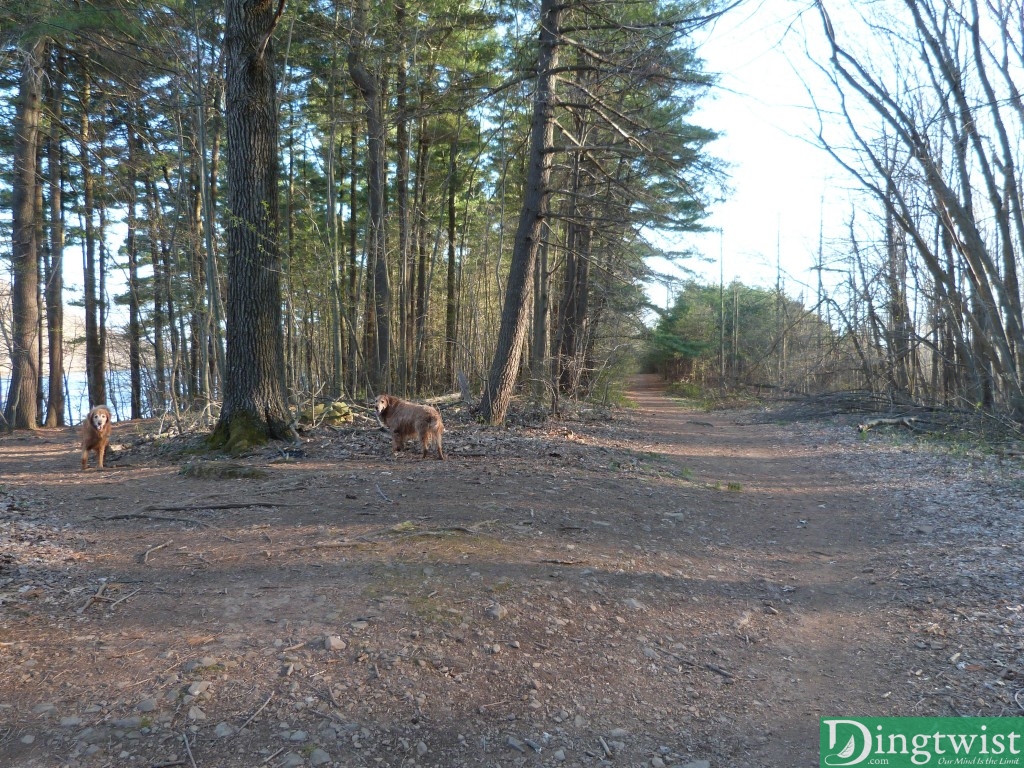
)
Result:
{"points": [[188, 750], [133, 594], [151, 550], [255, 714], [224, 505], [141, 516], [902, 421], [321, 545], [698, 665], [93, 598]]}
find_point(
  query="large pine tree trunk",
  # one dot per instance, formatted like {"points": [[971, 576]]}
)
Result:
{"points": [[21, 411], [95, 365], [134, 309], [451, 313], [254, 407], [379, 288], [504, 369], [54, 267]]}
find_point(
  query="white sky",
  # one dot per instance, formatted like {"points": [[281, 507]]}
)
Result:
{"points": [[784, 188]]}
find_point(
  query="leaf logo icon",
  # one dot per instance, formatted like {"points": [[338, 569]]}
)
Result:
{"points": [[848, 749]]}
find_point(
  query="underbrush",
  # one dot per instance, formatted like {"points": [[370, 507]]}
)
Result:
{"points": [[705, 398]]}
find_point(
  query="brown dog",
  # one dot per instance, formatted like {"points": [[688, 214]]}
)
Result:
{"points": [[406, 419], [95, 435]]}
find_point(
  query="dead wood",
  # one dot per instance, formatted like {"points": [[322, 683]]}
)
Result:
{"points": [[900, 421], [145, 555], [140, 516]]}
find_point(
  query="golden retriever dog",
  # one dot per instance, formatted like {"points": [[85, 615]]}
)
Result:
{"points": [[406, 420], [95, 435]]}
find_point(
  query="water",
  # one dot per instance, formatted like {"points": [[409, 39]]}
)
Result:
{"points": [[76, 392]]}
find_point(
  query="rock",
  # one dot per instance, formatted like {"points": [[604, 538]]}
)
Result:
{"points": [[515, 744], [559, 755], [421, 748], [319, 757], [292, 760], [199, 688], [496, 611], [618, 733], [298, 736], [657, 762], [28, 738], [698, 764], [146, 705], [70, 722], [43, 709], [223, 730], [633, 604], [195, 713], [334, 643]]}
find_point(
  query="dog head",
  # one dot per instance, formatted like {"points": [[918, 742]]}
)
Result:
{"points": [[382, 403], [99, 418]]}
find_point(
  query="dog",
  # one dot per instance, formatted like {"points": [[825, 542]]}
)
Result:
{"points": [[95, 435], [406, 419]]}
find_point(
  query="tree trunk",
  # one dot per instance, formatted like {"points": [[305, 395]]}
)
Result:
{"points": [[379, 343], [352, 294], [134, 314], [54, 272], [94, 363], [406, 271], [539, 348], [422, 153], [21, 411], [452, 297], [254, 406], [504, 369]]}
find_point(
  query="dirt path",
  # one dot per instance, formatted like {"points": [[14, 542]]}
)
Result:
{"points": [[664, 588]]}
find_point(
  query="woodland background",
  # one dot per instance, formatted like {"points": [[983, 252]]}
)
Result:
{"points": [[277, 204]]}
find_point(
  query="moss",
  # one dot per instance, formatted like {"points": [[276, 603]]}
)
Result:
{"points": [[219, 470], [240, 434]]}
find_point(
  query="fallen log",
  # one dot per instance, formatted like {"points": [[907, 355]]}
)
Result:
{"points": [[902, 421]]}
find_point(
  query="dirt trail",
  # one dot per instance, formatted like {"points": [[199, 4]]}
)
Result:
{"points": [[663, 588]]}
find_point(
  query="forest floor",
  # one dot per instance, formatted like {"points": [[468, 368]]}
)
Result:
{"points": [[647, 586]]}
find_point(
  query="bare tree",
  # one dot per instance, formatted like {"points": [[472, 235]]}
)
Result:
{"points": [[954, 192]]}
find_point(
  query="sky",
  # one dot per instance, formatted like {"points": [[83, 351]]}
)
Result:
{"points": [[785, 190]]}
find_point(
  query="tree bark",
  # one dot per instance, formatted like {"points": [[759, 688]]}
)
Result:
{"points": [[54, 272], [21, 411], [94, 363], [451, 315], [379, 344], [254, 407], [504, 368]]}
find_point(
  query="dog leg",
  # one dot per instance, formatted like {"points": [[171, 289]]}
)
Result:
{"points": [[99, 455], [85, 459], [440, 453]]}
